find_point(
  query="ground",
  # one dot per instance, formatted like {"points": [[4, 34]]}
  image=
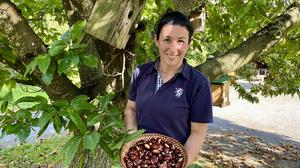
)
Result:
{"points": [[238, 149], [255, 135]]}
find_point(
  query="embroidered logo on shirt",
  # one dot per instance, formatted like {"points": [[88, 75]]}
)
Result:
{"points": [[178, 92]]}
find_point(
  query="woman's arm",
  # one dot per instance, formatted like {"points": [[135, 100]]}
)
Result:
{"points": [[195, 141], [130, 116]]}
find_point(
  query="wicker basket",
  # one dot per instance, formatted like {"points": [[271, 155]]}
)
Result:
{"points": [[147, 137]]}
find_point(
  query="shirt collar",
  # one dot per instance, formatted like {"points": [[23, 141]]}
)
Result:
{"points": [[184, 69]]}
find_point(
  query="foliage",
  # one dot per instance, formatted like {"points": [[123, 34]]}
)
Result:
{"points": [[46, 17], [64, 55], [231, 22], [64, 114]]}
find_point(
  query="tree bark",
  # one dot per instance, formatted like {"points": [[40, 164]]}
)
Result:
{"points": [[100, 160], [185, 6]]}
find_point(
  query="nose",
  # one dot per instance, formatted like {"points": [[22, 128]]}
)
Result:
{"points": [[174, 46]]}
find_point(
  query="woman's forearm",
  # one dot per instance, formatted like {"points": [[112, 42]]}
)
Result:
{"points": [[130, 117], [195, 141]]}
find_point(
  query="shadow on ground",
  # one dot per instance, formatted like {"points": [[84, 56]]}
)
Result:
{"points": [[233, 146]]}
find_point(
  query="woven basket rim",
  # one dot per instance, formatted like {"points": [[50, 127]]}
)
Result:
{"points": [[146, 136]]}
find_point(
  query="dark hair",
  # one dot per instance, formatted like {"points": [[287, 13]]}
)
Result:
{"points": [[174, 18]]}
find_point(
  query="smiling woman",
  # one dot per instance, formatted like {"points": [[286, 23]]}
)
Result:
{"points": [[168, 96]]}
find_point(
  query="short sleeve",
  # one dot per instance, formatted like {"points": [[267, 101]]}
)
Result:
{"points": [[201, 104], [133, 84]]}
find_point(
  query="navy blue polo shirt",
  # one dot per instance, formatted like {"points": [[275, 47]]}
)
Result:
{"points": [[183, 99]]}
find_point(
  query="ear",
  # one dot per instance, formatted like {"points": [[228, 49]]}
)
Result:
{"points": [[190, 43], [155, 40]]}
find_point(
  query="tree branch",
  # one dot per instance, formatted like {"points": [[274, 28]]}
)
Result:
{"points": [[14, 26], [78, 9], [254, 46], [25, 82], [185, 5]]}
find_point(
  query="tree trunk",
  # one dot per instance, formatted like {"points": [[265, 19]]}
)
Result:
{"points": [[86, 159]]}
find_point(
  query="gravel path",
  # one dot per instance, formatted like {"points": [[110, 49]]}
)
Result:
{"points": [[273, 120]]}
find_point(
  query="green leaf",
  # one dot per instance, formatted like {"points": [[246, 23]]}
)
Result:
{"points": [[7, 53], [73, 57], [91, 140], [80, 98], [47, 78], [24, 114], [9, 96], [34, 122], [63, 65], [105, 101], [42, 130], [1, 85], [80, 103], [60, 103], [57, 124], [31, 66], [77, 31], [46, 117], [4, 106], [71, 126], [82, 106], [158, 3], [170, 4], [94, 120], [40, 99], [298, 58], [77, 120], [41, 106], [23, 134], [134, 135], [116, 146], [4, 74], [56, 48], [12, 129], [78, 46], [70, 149], [66, 36], [10, 84], [89, 60], [44, 61]]}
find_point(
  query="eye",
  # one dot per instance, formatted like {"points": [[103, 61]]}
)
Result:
{"points": [[167, 40], [181, 41]]}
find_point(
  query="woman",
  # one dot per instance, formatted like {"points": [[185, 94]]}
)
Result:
{"points": [[168, 96]]}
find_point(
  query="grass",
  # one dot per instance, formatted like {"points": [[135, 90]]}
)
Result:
{"points": [[47, 153], [42, 153]]}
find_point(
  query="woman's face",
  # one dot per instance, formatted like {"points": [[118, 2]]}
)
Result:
{"points": [[173, 43]]}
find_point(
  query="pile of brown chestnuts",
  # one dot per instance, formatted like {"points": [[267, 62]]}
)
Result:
{"points": [[154, 153]]}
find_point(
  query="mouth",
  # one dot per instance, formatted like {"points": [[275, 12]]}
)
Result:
{"points": [[171, 56]]}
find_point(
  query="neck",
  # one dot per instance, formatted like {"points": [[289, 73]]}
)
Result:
{"points": [[169, 70]]}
